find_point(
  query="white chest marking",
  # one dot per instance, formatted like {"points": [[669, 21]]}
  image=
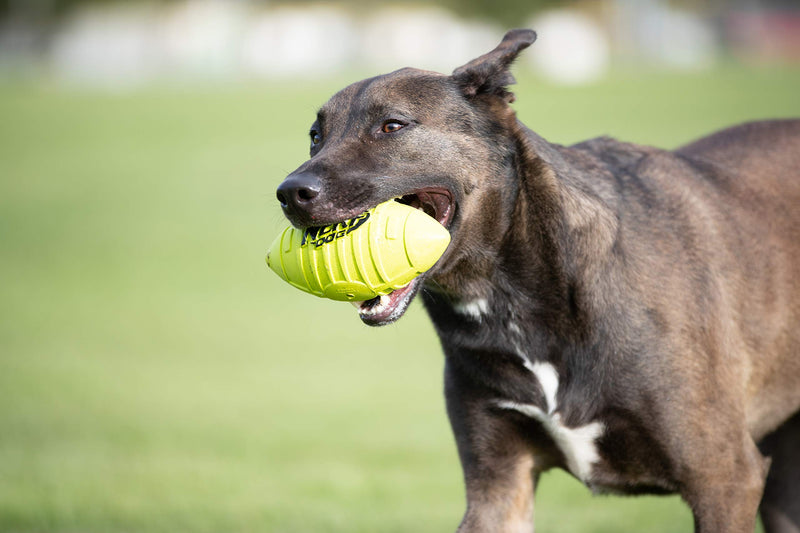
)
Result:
{"points": [[474, 309], [548, 379], [577, 444], [545, 372]]}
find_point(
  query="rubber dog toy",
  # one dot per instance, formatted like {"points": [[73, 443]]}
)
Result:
{"points": [[369, 255]]}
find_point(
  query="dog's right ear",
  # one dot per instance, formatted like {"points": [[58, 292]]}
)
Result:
{"points": [[490, 74]]}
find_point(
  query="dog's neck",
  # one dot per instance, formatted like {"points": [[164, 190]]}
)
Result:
{"points": [[556, 231]]}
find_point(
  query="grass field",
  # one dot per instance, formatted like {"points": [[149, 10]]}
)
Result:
{"points": [[156, 377]]}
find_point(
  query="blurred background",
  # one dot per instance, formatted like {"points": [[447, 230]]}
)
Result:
{"points": [[154, 375]]}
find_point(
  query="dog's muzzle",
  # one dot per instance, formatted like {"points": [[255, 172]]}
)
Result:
{"points": [[298, 195]]}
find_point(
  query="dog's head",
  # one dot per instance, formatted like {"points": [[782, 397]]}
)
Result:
{"points": [[439, 143]]}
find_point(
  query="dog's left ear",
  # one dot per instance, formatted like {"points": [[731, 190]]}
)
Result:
{"points": [[489, 74]]}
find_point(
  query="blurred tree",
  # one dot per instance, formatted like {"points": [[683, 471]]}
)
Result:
{"points": [[508, 13], [49, 8]]}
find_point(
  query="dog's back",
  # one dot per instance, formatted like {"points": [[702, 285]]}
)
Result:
{"points": [[727, 208], [758, 149], [760, 165]]}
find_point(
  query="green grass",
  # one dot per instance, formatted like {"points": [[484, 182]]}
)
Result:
{"points": [[155, 376]]}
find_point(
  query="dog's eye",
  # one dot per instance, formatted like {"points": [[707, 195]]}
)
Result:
{"points": [[316, 137], [391, 126]]}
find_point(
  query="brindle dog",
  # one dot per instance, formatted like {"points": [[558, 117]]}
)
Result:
{"points": [[629, 314]]}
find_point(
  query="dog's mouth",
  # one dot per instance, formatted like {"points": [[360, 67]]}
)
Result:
{"points": [[437, 203], [383, 310]]}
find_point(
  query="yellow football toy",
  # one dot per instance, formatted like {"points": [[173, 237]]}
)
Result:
{"points": [[370, 255]]}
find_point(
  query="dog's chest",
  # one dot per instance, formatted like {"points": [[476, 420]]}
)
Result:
{"points": [[518, 373], [515, 380]]}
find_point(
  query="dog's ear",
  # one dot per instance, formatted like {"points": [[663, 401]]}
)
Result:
{"points": [[490, 74]]}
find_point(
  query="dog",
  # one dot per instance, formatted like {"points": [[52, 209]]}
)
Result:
{"points": [[625, 313]]}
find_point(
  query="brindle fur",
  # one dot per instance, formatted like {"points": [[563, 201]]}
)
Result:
{"points": [[663, 286]]}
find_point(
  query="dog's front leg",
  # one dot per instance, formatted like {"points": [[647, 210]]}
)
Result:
{"points": [[498, 465], [725, 482]]}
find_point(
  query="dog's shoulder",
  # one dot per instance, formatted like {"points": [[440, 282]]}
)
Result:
{"points": [[637, 167], [629, 170], [615, 153]]}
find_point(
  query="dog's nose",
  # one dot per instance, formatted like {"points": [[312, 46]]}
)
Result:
{"points": [[299, 191]]}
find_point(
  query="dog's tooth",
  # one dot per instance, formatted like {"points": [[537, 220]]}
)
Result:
{"points": [[376, 308], [357, 305]]}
